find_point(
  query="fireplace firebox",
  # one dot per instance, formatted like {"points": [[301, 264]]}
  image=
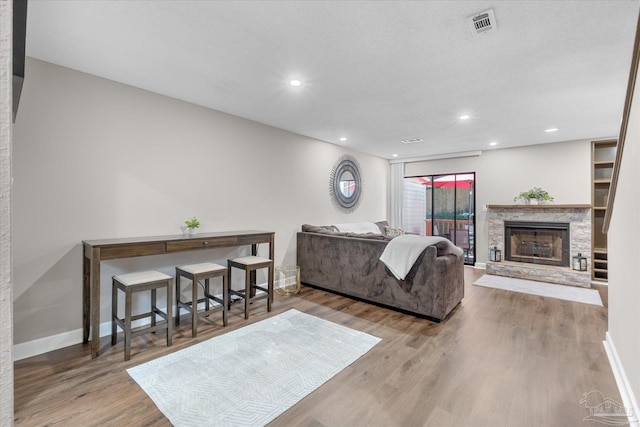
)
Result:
{"points": [[537, 242]]}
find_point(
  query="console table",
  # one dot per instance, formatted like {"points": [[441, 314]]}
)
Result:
{"points": [[95, 251]]}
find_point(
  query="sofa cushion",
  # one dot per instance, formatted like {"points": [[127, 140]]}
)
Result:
{"points": [[333, 231], [381, 225], [372, 236], [393, 232], [322, 229], [358, 227]]}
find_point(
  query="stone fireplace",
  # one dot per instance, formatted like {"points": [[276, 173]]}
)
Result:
{"points": [[538, 241]]}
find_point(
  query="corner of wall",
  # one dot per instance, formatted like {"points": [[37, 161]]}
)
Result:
{"points": [[629, 400], [6, 293]]}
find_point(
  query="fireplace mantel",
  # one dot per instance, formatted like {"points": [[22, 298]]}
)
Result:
{"points": [[543, 206], [577, 215]]}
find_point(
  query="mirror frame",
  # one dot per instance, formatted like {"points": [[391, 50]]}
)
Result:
{"points": [[346, 163]]}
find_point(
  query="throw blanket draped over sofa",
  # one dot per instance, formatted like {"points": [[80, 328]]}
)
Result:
{"points": [[349, 263]]}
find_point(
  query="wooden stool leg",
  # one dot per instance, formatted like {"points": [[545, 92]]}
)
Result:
{"points": [[253, 282], [194, 307], [225, 299], [229, 285], [270, 288], [177, 297], [153, 308], [247, 292], [127, 324], [169, 312], [206, 292], [114, 312]]}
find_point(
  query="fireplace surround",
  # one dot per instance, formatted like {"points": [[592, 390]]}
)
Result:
{"points": [[578, 218]]}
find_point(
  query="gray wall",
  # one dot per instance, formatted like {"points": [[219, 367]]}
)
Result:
{"points": [[6, 320], [563, 169], [623, 336], [96, 159]]}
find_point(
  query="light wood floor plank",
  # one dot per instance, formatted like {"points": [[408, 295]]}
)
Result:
{"points": [[501, 359]]}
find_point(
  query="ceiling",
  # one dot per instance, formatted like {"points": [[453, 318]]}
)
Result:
{"points": [[373, 72]]}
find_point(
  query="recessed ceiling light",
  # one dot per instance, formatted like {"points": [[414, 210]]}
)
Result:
{"points": [[342, 138], [464, 117], [295, 82], [551, 130], [493, 143], [394, 155]]}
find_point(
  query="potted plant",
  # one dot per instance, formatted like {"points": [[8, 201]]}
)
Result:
{"points": [[535, 195], [191, 225]]}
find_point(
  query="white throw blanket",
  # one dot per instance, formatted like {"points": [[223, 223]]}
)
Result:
{"points": [[403, 251]]}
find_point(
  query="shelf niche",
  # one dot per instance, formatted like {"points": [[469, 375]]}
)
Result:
{"points": [[603, 154]]}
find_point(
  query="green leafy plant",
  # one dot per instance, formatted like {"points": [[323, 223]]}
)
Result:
{"points": [[192, 223], [536, 193]]}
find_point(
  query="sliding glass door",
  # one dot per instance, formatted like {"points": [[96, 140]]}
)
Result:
{"points": [[442, 205]]}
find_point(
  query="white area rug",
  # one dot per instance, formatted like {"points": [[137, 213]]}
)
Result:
{"points": [[568, 293], [249, 376]]}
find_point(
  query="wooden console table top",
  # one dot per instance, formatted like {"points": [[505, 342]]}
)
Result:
{"points": [[95, 251]]}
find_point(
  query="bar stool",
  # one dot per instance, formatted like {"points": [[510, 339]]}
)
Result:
{"points": [[250, 264], [138, 282], [196, 273]]}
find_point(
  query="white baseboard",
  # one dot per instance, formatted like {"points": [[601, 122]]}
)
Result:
{"points": [[626, 393], [56, 342], [43, 345], [65, 339]]}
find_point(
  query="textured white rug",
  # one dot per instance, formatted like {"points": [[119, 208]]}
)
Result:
{"points": [[551, 290], [249, 376]]}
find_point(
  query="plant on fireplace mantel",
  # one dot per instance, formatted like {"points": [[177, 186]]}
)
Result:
{"points": [[536, 194]]}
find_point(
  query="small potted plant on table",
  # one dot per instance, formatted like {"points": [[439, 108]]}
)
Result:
{"points": [[191, 225]]}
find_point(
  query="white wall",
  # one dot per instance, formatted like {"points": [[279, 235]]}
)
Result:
{"points": [[563, 169], [96, 159], [6, 310], [623, 336]]}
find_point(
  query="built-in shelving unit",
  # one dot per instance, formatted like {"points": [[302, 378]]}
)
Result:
{"points": [[603, 154]]}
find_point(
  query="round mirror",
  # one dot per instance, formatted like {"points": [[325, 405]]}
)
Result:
{"points": [[346, 183]]}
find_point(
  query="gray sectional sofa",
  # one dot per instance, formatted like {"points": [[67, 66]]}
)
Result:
{"points": [[348, 264]]}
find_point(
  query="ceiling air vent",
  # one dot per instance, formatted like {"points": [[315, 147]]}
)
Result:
{"points": [[411, 141], [483, 22]]}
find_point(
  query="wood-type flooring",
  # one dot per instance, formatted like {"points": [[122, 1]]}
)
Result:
{"points": [[501, 359]]}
